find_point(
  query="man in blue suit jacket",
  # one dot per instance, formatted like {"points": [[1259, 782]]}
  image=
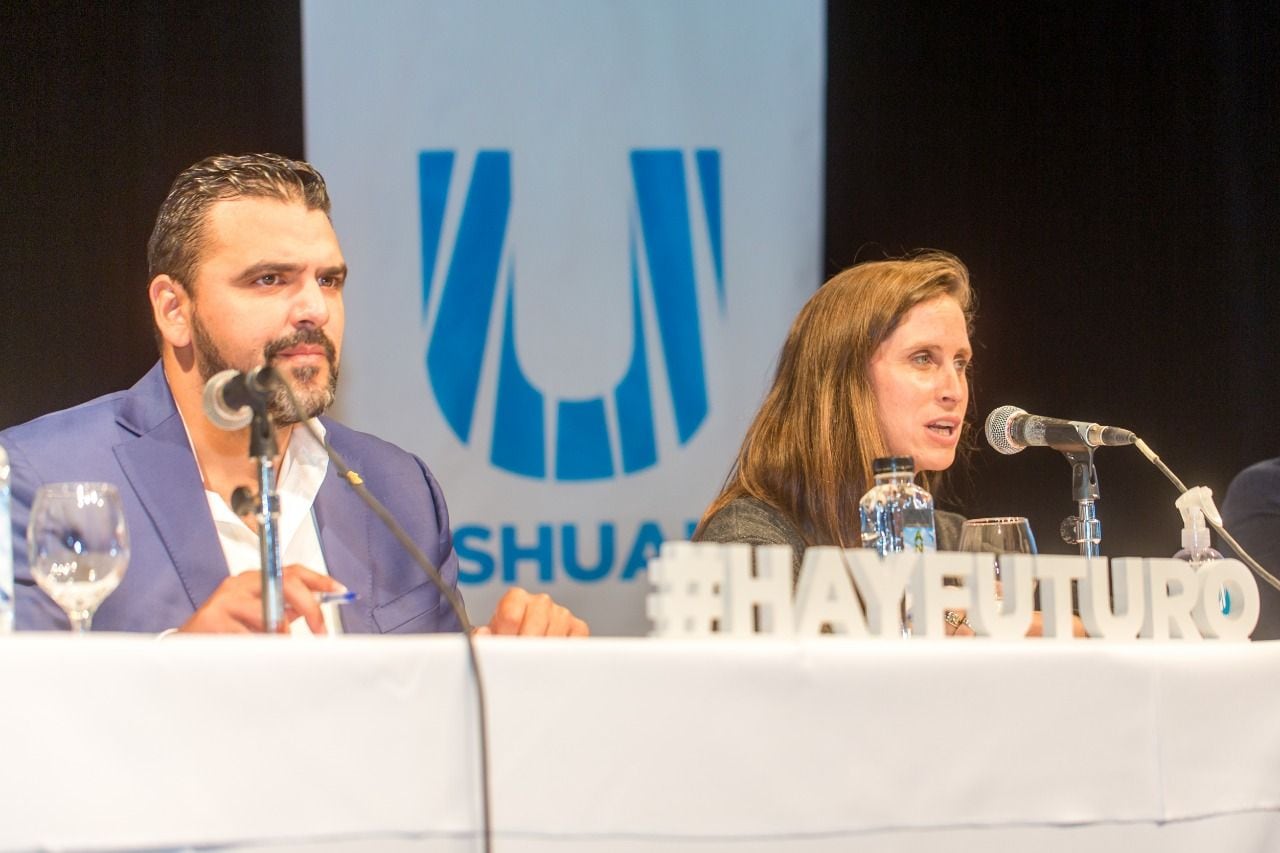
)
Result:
{"points": [[245, 270]]}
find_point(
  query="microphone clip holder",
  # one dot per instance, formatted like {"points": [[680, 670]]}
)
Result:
{"points": [[1084, 528]]}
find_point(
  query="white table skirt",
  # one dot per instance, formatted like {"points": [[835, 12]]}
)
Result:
{"points": [[116, 742]]}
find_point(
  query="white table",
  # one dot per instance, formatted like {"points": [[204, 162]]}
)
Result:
{"points": [[630, 745]]}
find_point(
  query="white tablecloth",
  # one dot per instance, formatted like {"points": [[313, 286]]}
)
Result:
{"points": [[630, 745]]}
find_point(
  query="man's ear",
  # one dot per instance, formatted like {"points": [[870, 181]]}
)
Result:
{"points": [[171, 309]]}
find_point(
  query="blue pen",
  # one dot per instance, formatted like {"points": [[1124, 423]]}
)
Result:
{"points": [[344, 597]]}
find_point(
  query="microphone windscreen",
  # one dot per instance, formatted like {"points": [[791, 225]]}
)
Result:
{"points": [[215, 407], [998, 433]]}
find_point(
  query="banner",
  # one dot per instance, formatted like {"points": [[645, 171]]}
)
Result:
{"points": [[577, 233]]}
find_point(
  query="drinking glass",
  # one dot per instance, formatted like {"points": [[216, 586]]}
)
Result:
{"points": [[78, 546], [1010, 535]]}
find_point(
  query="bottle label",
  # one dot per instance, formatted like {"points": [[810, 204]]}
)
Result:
{"points": [[919, 539]]}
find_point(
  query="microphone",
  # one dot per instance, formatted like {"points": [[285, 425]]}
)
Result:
{"points": [[231, 397], [1011, 430]]}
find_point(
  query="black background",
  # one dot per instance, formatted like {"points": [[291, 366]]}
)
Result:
{"points": [[1108, 171]]}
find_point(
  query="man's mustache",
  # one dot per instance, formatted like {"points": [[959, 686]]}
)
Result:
{"points": [[302, 337]]}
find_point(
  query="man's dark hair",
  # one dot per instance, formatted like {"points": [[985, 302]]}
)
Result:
{"points": [[179, 234]]}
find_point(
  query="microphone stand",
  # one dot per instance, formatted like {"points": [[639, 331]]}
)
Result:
{"points": [[1084, 528], [263, 449]]}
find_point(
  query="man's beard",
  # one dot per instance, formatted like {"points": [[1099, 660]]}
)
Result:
{"points": [[312, 401]]}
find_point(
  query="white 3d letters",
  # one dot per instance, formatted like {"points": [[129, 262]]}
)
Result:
{"points": [[882, 583], [767, 593], [1241, 590], [1169, 595], [1113, 611], [931, 596], [700, 589], [1055, 574], [686, 600], [1008, 617], [825, 595]]}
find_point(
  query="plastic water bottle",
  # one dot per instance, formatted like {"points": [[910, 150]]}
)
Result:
{"points": [[6, 549], [896, 514]]}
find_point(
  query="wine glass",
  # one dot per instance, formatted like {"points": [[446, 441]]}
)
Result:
{"points": [[78, 546], [1009, 535]]}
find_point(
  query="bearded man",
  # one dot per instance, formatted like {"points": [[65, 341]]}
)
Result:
{"points": [[246, 270]]}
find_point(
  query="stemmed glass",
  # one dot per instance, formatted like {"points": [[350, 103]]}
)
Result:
{"points": [[78, 546], [1010, 535]]}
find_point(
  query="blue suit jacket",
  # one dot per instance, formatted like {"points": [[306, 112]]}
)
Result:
{"points": [[136, 440]]}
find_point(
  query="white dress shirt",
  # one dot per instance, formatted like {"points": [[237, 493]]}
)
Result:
{"points": [[302, 470]]}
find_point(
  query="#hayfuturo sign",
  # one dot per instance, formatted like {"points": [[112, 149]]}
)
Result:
{"points": [[577, 233], [708, 588]]}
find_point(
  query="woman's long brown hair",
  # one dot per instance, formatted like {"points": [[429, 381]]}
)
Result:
{"points": [[809, 450]]}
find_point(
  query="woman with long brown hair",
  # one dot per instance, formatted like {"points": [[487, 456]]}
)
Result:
{"points": [[876, 364]]}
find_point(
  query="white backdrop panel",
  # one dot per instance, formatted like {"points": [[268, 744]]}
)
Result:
{"points": [[577, 233]]}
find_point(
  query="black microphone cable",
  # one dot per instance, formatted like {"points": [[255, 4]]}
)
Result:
{"points": [[455, 604], [1216, 525]]}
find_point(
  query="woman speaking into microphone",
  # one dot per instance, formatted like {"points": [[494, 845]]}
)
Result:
{"points": [[876, 364]]}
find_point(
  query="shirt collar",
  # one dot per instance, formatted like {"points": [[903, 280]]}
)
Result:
{"points": [[302, 471]]}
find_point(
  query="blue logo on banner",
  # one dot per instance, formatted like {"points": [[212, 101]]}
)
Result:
{"points": [[584, 447]]}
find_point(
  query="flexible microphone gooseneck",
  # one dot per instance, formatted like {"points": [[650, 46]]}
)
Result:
{"points": [[455, 604], [1213, 519]]}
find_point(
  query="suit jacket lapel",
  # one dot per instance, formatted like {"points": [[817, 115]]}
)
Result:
{"points": [[343, 522], [162, 471]]}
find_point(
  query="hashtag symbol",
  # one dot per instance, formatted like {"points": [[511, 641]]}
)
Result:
{"points": [[686, 601]]}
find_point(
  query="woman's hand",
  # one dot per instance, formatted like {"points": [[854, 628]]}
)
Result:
{"points": [[957, 624]]}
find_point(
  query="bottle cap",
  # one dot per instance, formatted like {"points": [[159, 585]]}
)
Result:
{"points": [[889, 464]]}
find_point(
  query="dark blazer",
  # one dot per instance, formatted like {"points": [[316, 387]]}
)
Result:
{"points": [[135, 439], [1251, 513]]}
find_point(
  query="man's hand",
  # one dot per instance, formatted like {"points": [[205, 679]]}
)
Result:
{"points": [[236, 605], [533, 616]]}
